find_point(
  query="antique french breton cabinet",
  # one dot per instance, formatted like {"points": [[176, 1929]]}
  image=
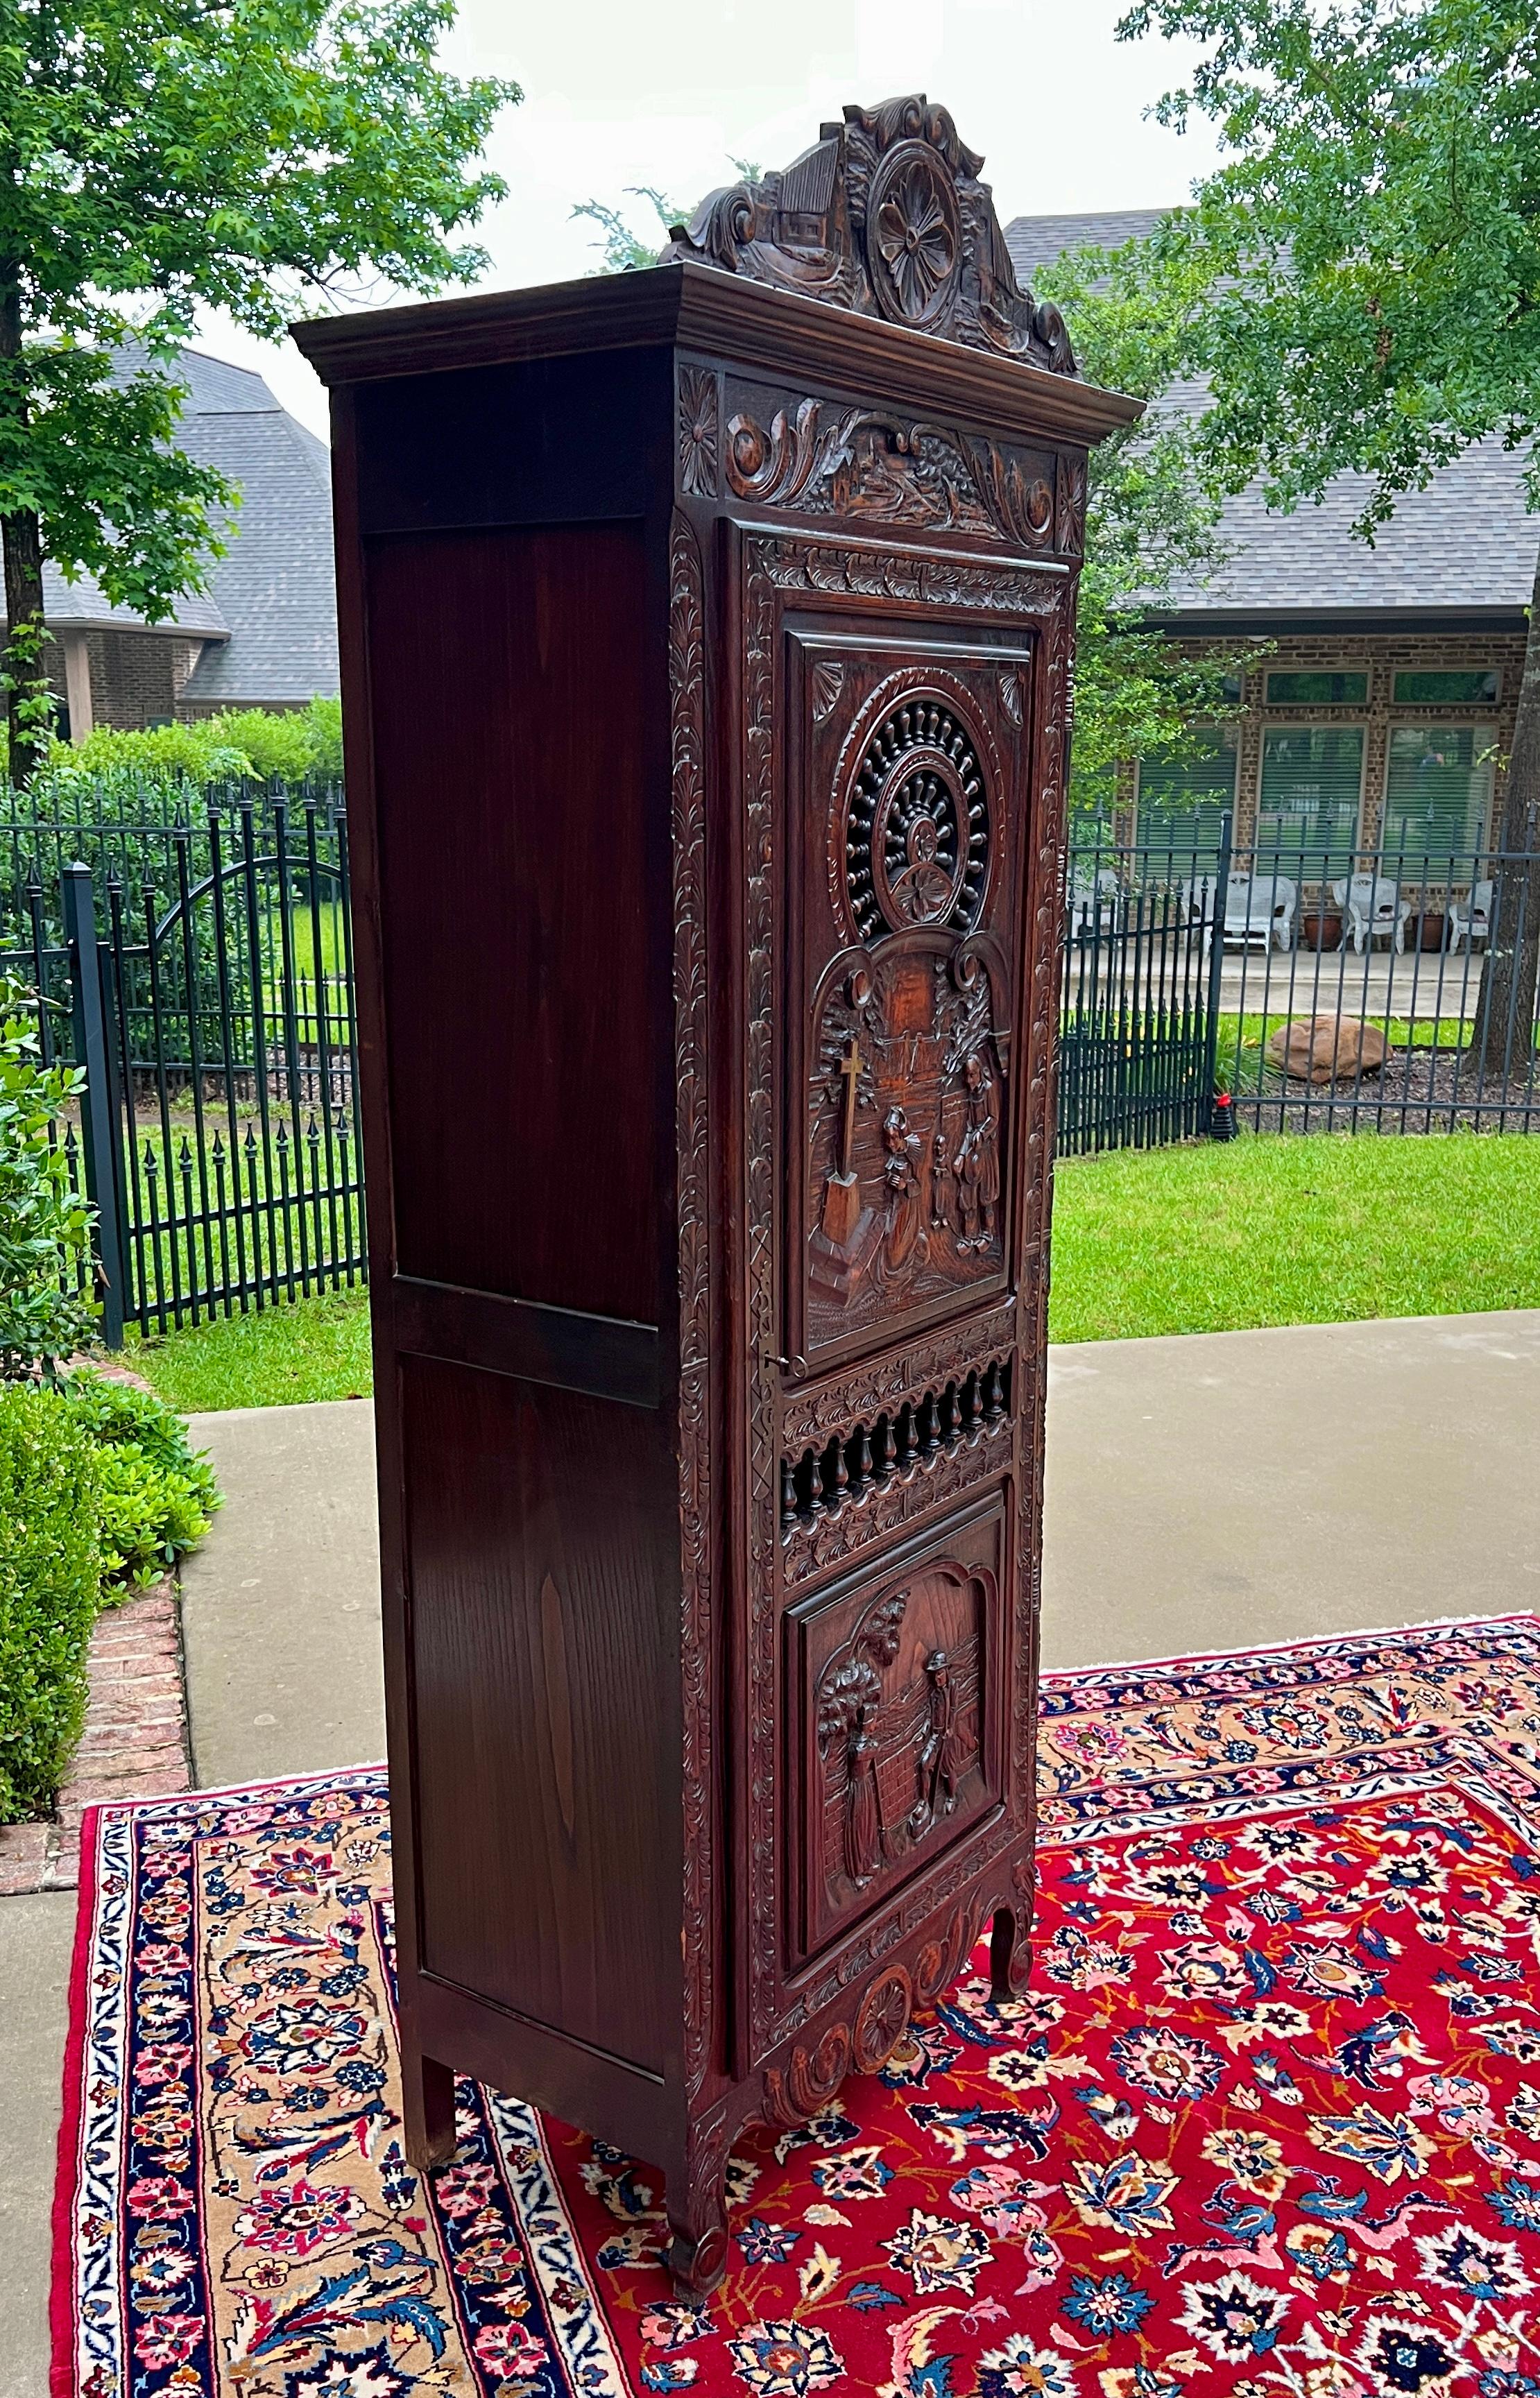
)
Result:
{"points": [[707, 663]]}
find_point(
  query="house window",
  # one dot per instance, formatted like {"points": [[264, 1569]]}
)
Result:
{"points": [[1183, 800], [1318, 690], [1437, 796], [1312, 782], [1464, 687]]}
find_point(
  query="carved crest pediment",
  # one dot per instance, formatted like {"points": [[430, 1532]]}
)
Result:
{"points": [[885, 215]]}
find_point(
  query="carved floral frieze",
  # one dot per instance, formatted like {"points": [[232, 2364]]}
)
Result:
{"points": [[823, 458]]}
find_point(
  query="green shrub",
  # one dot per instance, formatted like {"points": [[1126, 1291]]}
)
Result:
{"points": [[154, 1491], [162, 774], [50, 1580], [45, 1226]]}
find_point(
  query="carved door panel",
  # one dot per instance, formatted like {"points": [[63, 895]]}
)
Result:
{"points": [[905, 806], [892, 1708]]}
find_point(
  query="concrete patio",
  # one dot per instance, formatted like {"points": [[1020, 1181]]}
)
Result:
{"points": [[1205, 1492]]}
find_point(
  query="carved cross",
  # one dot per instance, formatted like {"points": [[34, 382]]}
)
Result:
{"points": [[850, 1071]]}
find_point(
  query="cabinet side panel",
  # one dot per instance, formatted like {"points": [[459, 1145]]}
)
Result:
{"points": [[537, 1635], [507, 673]]}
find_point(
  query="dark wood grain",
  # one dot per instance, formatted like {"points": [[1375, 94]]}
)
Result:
{"points": [[513, 910], [536, 1604], [705, 669]]}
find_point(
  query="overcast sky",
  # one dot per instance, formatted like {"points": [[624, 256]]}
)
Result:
{"points": [[616, 94]]}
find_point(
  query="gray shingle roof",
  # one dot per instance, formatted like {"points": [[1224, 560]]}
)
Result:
{"points": [[275, 588], [1464, 549], [269, 617]]}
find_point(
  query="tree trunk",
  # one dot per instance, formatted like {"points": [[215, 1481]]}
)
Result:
{"points": [[1505, 1018], [29, 701]]}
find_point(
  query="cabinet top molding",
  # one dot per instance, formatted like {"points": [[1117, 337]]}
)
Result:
{"points": [[874, 261], [886, 216]]}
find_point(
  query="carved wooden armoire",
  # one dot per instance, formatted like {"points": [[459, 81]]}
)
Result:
{"points": [[706, 640]]}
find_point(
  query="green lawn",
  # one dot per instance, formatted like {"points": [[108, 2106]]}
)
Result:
{"points": [[1209, 1238], [314, 1349], [1316, 1229]]}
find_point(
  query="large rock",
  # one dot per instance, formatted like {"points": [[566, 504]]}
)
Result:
{"points": [[1328, 1049]]}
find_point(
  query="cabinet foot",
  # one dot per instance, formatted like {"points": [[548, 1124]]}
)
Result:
{"points": [[698, 2217], [427, 2107], [1009, 1956]]}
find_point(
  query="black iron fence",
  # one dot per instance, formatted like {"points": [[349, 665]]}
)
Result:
{"points": [[201, 974], [210, 1006], [1317, 990]]}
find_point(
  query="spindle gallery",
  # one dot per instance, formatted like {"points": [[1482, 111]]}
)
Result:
{"points": [[712, 626]]}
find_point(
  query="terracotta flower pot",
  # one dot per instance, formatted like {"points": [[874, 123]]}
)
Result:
{"points": [[1321, 928]]}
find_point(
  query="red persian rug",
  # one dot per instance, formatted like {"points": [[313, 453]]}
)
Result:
{"points": [[1268, 2121]]}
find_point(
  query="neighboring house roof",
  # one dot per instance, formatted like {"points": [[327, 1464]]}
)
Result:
{"points": [[269, 617], [275, 586], [1460, 553]]}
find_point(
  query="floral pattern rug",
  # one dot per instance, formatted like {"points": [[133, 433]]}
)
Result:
{"points": [[1267, 2121]]}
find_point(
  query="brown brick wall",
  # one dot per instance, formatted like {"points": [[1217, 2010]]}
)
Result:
{"points": [[138, 676], [1383, 655]]}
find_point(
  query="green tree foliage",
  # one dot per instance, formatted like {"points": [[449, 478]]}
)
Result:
{"points": [[159, 156], [621, 247], [45, 1227], [1151, 513], [1372, 245], [50, 1581]]}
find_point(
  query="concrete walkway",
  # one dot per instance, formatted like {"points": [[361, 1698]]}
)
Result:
{"points": [[280, 1607], [1213, 1490], [1205, 1492]]}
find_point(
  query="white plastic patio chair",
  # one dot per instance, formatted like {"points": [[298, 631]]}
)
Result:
{"points": [[1260, 907], [1371, 908], [1470, 920], [1094, 906]]}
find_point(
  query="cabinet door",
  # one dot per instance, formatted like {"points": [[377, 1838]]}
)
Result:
{"points": [[892, 1697], [901, 731], [907, 802]]}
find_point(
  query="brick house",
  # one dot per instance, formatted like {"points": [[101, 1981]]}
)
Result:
{"points": [[265, 635], [1378, 715]]}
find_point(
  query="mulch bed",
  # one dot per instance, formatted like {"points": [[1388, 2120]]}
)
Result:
{"points": [[1416, 1090]]}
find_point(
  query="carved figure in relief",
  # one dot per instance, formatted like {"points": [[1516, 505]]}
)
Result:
{"points": [[943, 1759], [863, 1821], [906, 1236], [978, 1161], [906, 1133], [941, 1215]]}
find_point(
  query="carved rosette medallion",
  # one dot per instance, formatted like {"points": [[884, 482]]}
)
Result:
{"points": [[917, 824], [699, 436], [882, 2020], [914, 239]]}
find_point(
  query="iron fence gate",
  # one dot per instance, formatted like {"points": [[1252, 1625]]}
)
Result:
{"points": [[211, 1010], [1320, 987], [1139, 1021]]}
